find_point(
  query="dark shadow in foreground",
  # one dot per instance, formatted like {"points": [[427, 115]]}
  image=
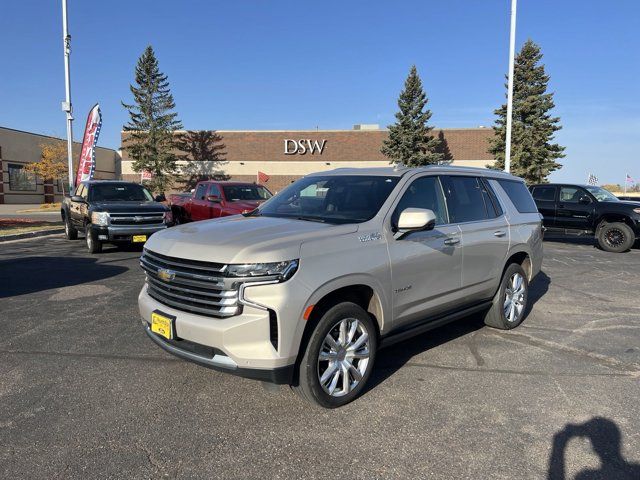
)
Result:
{"points": [[606, 441], [390, 360], [21, 276]]}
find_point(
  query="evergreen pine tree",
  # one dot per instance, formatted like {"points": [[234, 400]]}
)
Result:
{"points": [[533, 156], [410, 142], [203, 152], [152, 123]]}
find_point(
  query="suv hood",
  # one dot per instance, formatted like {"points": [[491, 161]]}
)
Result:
{"points": [[124, 207], [239, 239]]}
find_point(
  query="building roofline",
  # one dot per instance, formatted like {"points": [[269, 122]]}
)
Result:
{"points": [[50, 136], [311, 130]]}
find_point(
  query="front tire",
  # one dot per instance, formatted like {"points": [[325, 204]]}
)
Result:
{"points": [[339, 357], [616, 237], [93, 244], [70, 232], [510, 302]]}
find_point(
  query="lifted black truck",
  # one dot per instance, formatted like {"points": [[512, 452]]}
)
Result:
{"points": [[589, 210], [110, 211]]}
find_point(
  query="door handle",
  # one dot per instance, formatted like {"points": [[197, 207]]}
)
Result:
{"points": [[499, 233], [451, 241]]}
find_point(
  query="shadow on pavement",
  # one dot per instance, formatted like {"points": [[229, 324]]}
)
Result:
{"points": [[606, 441], [392, 359], [21, 276]]}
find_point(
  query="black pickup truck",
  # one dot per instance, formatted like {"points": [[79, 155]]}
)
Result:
{"points": [[113, 211], [589, 210]]}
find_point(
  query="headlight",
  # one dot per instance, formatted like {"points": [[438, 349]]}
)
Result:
{"points": [[637, 210], [100, 218], [284, 270], [168, 217]]}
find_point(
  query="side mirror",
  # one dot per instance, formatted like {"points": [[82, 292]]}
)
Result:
{"points": [[160, 198], [214, 198], [415, 219], [585, 200], [77, 198]]}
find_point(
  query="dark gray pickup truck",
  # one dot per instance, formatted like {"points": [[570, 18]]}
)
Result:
{"points": [[110, 211]]}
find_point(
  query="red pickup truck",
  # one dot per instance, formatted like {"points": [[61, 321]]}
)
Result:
{"points": [[214, 199]]}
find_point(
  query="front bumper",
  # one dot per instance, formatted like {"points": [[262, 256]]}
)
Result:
{"points": [[243, 344], [113, 233], [208, 357]]}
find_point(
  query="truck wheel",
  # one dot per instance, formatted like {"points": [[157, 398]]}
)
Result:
{"points": [[510, 302], [70, 232], [615, 237], [93, 244], [339, 357]]}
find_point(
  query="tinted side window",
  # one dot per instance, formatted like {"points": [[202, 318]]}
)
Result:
{"points": [[424, 192], [465, 199], [490, 200], [519, 195], [201, 191], [571, 194], [214, 190], [545, 194]]}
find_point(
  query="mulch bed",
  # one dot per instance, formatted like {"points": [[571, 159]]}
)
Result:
{"points": [[7, 223]]}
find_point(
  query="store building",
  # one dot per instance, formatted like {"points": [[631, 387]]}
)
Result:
{"points": [[290, 154], [18, 148]]}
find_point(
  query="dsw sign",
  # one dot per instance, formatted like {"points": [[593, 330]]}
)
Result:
{"points": [[302, 146]]}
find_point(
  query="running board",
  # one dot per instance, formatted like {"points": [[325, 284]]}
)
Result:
{"points": [[429, 324]]}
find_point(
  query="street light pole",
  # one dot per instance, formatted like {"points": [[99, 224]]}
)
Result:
{"points": [[512, 47], [66, 105]]}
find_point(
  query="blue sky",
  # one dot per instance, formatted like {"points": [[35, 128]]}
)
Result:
{"points": [[296, 65]]}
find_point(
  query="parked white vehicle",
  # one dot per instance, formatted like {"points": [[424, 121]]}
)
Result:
{"points": [[306, 288]]}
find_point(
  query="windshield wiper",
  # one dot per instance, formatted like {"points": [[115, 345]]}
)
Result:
{"points": [[310, 219]]}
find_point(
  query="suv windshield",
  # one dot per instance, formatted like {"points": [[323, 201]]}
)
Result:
{"points": [[601, 194], [331, 199], [118, 192], [234, 193]]}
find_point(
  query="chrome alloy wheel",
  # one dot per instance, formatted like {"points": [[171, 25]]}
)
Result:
{"points": [[344, 356], [514, 301]]}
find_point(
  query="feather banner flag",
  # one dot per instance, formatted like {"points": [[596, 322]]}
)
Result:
{"points": [[87, 162]]}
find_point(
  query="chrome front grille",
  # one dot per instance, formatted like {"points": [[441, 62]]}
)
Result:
{"points": [[190, 285], [132, 219]]}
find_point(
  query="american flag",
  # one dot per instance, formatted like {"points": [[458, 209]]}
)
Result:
{"points": [[593, 180], [629, 179]]}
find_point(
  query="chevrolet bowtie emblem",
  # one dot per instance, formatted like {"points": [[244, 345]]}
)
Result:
{"points": [[137, 219], [166, 275]]}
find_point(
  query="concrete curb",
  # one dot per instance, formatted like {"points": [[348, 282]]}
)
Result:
{"points": [[39, 233]]}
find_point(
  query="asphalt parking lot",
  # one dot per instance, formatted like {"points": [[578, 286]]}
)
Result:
{"points": [[85, 394]]}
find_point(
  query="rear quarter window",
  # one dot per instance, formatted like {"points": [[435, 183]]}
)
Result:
{"points": [[519, 196]]}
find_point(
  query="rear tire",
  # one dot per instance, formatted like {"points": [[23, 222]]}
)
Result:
{"points": [[510, 303], [616, 237], [338, 358], [93, 244], [70, 232]]}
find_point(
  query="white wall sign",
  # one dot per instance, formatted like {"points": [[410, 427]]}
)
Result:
{"points": [[302, 146]]}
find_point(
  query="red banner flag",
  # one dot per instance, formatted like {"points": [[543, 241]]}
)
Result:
{"points": [[87, 162], [262, 177]]}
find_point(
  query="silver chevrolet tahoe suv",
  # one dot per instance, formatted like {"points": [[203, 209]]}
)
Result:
{"points": [[306, 288]]}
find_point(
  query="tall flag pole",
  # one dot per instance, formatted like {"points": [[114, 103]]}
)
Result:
{"points": [[87, 162], [66, 105], [512, 48]]}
